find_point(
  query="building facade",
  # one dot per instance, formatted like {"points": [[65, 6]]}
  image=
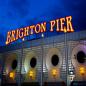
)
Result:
{"points": [[58, 59]]}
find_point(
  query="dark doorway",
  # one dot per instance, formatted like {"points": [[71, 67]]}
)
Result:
{"points": [[78, 83], [30, 84], [54, 84]]}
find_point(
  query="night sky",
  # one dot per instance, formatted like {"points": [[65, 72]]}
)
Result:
{"points": [[20, 13]]}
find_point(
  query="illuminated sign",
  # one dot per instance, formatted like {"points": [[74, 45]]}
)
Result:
{"points": [[59, 25]]}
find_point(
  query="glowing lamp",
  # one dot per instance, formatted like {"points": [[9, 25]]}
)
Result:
{"points": [[82, 70], [65, 30], [23, 39], [42, 35], [54, 72], [6, 42], [12, 75], [32, 74]]}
